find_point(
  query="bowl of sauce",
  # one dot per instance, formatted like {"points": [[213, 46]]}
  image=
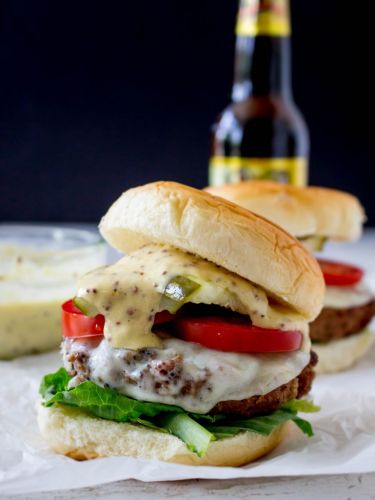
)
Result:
{"points": [[39, 268]]}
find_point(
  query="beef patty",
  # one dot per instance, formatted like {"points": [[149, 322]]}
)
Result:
{"points": [[260, 405], [333, 324], [77, 364]]}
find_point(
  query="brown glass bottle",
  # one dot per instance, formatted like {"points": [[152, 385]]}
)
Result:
{"points": [[261, 134]]}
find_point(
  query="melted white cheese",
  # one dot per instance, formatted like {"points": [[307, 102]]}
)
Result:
{"points": [[129, 294], [223, 376], [344, 297]]}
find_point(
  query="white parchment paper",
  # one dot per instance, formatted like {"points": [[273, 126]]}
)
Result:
{"points": [[344, 440]]}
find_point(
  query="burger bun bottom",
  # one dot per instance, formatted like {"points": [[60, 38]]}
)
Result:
{"points": [[338, 355], [71, 432]]}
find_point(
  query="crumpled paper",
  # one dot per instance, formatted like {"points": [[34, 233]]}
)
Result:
{"points": [[344, 440]]}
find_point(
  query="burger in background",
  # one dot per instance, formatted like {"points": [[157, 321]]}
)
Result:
{"points": [[340, 334]]}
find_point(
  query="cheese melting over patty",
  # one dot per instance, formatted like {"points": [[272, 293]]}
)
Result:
{"points": [[345, 297], [180, 373]]}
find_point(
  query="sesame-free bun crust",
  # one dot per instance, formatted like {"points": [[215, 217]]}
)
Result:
{"points": [[302, 211], [71, 432], [221, 232], [341, 354]]}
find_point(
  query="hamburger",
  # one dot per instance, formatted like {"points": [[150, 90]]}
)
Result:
{"points": [[192, 348], [340, 334]]}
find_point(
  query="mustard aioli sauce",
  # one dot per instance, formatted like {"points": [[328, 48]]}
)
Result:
{"points": [[129, 293]]}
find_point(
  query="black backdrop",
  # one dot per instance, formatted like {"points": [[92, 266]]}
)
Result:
{"points": [[98, 96]]}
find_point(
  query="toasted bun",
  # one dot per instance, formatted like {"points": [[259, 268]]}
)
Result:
{"points": [[73, 433], [339, 355], [301, 211], [217, 230]]}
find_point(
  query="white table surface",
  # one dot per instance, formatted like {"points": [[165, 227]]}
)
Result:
{"points": [[313, 487], [304, 488]]}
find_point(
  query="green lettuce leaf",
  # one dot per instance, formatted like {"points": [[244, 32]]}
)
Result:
{"points": [[302, 405], [263, 425], [195, 430], [107, 403], [196, 437], [54, 383], [304, 425]]}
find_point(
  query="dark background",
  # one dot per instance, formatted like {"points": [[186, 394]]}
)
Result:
{"points": [[98, 96]]}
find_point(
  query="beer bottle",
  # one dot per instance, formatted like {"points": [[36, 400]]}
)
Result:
{"points": [[261, 134]]}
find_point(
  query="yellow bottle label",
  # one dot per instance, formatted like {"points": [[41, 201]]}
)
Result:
{"points": [[223, 170], [263, 17]]}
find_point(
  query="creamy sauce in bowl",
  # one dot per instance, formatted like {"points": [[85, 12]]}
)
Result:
{"points": [[39, 267]]}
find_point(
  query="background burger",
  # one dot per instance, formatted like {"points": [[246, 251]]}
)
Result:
{"points": [[340, 335], [192, 348]]}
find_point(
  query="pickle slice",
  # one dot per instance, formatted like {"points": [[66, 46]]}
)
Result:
{"points": [[177, 292], [84, 306], [179, 288], [313, 243]]}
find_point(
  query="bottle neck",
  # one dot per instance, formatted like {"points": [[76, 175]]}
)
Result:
{"points": [[262, 61]]}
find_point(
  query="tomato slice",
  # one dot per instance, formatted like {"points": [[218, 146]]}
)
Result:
{"points": [[163, 317], [236, 335], [230, 334], [75, 324], [340, 274]]}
